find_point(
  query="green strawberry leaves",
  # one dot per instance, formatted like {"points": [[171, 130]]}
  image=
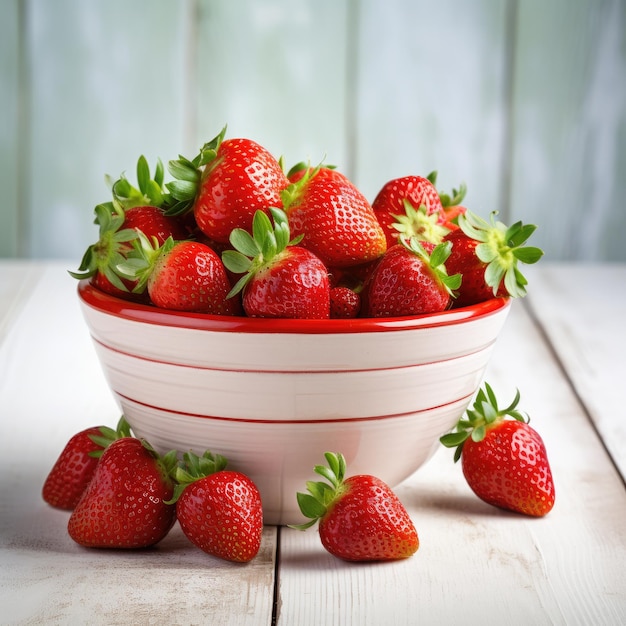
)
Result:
{"points": [[484, 413], [417, 222], [108, 252], [187, 176], [435, 260], [109, 435], [255, 250], [150, 190], [500, 248], [193, 468], [315, 503]]}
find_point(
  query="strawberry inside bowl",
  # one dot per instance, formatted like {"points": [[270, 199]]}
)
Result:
{"points": [[273, 395]]}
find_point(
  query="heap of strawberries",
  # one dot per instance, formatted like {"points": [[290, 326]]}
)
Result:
{"points": [[233, 234]]}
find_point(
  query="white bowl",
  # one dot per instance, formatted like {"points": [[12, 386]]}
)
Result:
{"points": [[273, 395]]}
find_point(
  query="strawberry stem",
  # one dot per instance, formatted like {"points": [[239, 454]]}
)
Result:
{"points": [[253, 251], [315, 503], [484, 413], [435, 260], [501, 248]]}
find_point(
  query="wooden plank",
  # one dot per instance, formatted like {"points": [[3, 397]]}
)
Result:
{"points": [[10, 126], [477, 564], [588, 337], [106, 87], [52, 386], [569, 126], [431, 95], [275, 72]]}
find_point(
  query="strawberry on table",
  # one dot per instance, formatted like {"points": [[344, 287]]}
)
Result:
{"points": [[219, 510], [124, 505], [225, 184], [360, 517], [280, 278], [180, 275], [409, 281], [504, 460], [77, 462], [487, 254], [335, 219]]}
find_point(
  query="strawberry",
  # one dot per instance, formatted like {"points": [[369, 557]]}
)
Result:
{"points": [[353, 277], [180, 275], [345, 303], [218, 510], [410, 281], [101, 259], [225, 184], [336, 221], [281, 279], [124, 505], [504, 460], [77, 462], [131, 211], [486, 255], [360, 517], [397, 207]]}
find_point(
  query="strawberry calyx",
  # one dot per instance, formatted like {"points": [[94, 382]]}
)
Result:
{"points": [[256, 250], [294, 191], [141, 260], [193, 468], [435, 261], [417, 222], [501, 248], [114, 242], [187, 176], [449, 199], [315, 504], [150, 191], [108, 435], [484, 414]]}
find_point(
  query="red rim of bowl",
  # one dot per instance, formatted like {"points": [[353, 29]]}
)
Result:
{"points": [[112, 305]]}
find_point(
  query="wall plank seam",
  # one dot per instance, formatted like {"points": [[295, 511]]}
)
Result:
{"points": [[508, 138], [23, 147]]}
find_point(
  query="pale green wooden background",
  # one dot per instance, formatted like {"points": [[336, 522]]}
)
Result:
{"points": [[525, 100]]}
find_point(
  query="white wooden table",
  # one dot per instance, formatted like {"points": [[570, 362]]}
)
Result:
{"points": [[563, 346]]}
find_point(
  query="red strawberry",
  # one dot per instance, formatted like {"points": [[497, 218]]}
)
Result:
{"points": [[486, 255], [225, 184], [345, 303], [218, 510], [504, 460], [182, 275], [76, 464], [397, 208], [154, 224], [281, 279], [336, 221], [124, 505], [409, 281], [360, 518], [132, 210], [353, 277]]}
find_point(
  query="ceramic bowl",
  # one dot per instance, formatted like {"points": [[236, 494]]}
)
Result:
{"points": [[273, 395]]}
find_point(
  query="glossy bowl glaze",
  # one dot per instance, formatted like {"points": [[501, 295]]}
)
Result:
{"points": [[273, 395]]}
